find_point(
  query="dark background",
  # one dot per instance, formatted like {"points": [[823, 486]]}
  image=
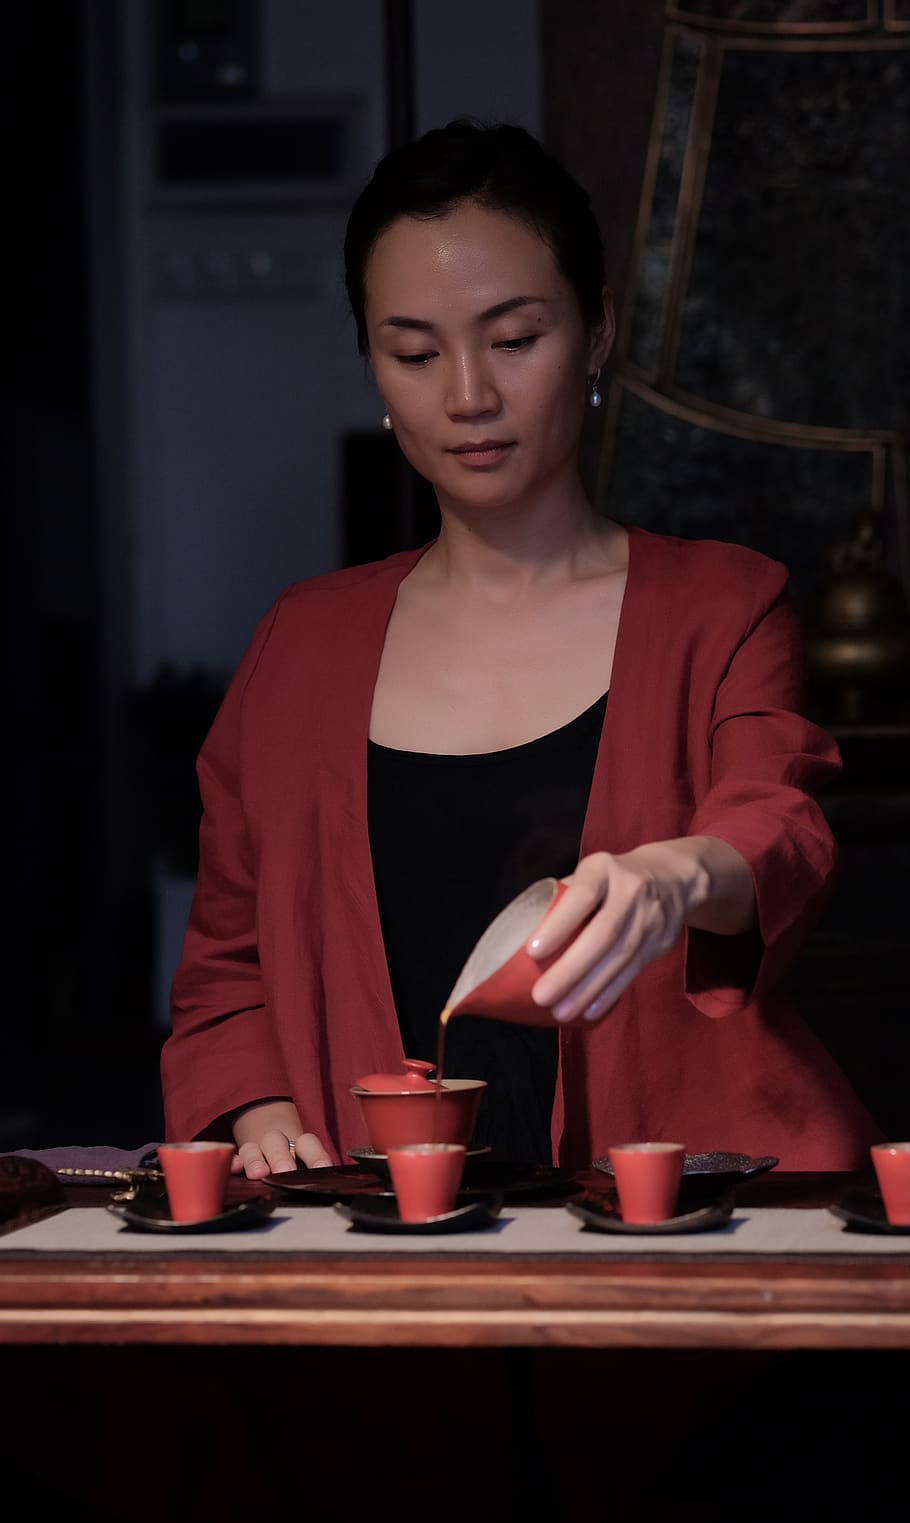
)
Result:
{"points": [[92, 780]]}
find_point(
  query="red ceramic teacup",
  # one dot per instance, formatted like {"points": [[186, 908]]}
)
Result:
{"points": [[426, 1177], [891, 1161], [196, 1177], [647, 1177]]}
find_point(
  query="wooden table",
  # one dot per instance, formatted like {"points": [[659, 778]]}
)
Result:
{"points": [[465, 1301], [218, 1389]]}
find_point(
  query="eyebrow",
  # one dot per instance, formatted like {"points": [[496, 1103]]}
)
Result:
{"points": [[499, 310]]}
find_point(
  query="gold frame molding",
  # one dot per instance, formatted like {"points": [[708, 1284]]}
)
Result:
{"points": [[692, 18]]}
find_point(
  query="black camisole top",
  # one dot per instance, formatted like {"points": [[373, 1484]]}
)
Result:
{"points": [[453, 839]]}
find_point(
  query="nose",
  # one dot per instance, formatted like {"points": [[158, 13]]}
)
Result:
{"points": [[471, 390]]}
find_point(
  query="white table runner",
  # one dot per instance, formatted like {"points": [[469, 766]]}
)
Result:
{"points": [[518, 1230]]}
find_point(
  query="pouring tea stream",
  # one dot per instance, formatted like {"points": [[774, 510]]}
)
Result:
{"points": [[495, 981]]}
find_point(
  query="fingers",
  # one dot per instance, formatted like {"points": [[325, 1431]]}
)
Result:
{"points": [[271, 1154], [593, 996], [585, 891], [585, 974], [311, 1151], [593, 1009], [252, 1161], [626, 922], [279, 1146]]}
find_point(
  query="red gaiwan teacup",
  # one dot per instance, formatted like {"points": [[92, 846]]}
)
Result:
{"points": [[500, 973], [418, 1109]]}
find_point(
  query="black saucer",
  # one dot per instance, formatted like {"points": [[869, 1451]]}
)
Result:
{"points": [[327, 1185], [717, 1169], [368, 1158], [151, 1213], [485, 1175], [864, 1211], [603, 1215], [519, 1180], [379, 1213]]}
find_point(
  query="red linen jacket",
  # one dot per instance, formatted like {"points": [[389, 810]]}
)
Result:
{"points": [[283, 989]]}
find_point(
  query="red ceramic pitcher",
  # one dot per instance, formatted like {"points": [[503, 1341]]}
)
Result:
{"points": [[499, 974]]}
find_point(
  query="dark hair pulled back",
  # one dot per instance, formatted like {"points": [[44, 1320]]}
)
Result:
{"points": [[499, 166]]}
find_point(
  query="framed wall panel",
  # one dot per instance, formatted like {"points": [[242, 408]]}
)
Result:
{"points": [[760, 383]]}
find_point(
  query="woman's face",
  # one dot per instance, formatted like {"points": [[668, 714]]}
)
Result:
{"points": [[480, 354]]}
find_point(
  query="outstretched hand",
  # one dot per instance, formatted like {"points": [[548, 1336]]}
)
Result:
{"points": [[620, 913]]}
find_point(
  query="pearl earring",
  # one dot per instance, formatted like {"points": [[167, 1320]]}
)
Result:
{"points": [[595, 397], [386, 421]]}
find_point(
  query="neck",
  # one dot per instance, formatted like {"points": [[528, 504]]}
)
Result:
{"points": [[513, 547]]}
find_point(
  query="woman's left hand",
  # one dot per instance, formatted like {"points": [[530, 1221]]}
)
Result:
{"points": [[623, 912]]}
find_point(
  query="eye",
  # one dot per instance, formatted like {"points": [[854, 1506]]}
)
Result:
{"points": [[413, 359], [515, 345]]}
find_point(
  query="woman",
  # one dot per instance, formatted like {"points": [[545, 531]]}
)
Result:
{"points": [[538, 691]]}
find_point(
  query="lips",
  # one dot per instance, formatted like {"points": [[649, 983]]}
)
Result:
{"points": [[482, 452]]}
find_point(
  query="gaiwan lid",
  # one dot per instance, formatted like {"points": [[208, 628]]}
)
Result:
{"points": [[412, 1076]]}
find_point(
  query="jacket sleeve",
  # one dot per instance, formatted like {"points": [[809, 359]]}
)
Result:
{"points": [[768, 761], [222, 1051]]}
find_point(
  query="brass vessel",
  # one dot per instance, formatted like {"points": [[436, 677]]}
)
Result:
{"points": [[858, 636]]}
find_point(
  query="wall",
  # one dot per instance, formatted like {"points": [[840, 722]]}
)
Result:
{"points": [[239, 385]]}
